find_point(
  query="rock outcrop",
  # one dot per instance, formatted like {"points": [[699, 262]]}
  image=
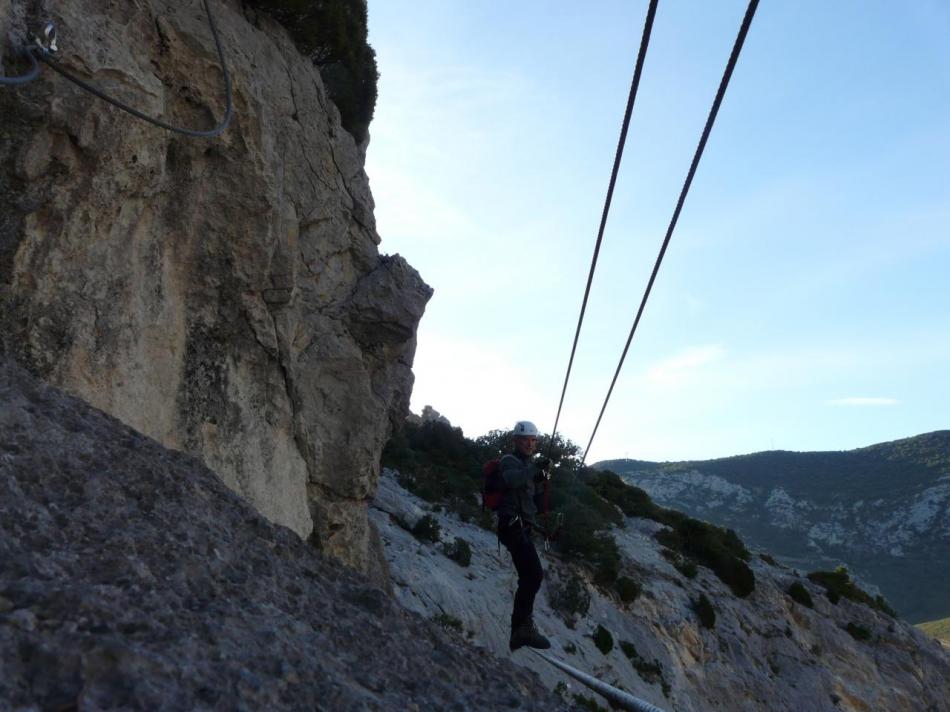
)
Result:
{"points": [[132, 578], [765, 652], [225, 297]]}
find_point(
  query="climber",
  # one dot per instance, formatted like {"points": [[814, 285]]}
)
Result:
{"points": [[520, 503]]}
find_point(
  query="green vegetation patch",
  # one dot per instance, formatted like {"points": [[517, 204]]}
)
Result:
{"points": [[858, 631], [719, 549], [459, 551], [685, 566], [703, 608], [570, 599], [715, 547], [427, 529], [450, 623], [588, 703], [627, 589], [603, 640], [651, 672], [437, 463], [333, 35], [838, 585], [800, 594]]}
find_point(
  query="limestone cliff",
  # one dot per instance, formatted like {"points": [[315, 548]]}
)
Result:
{"points": [[226, 297]]}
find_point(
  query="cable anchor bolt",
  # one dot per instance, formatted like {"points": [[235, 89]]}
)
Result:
{"points": [[48, 42]]}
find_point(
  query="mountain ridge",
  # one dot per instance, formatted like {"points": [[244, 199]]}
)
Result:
{"points": [[883, 510]]}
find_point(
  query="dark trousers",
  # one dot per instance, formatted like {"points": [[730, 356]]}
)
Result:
{"points": [[517, 539]]}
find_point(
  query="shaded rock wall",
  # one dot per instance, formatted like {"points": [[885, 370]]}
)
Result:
{"points": [[223, 296], [132, 578]]}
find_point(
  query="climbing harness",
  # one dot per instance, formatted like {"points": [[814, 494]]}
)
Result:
{"points": [[710, 120], [618, 698], [44, 52]]}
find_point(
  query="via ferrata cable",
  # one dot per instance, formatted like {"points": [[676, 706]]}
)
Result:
{"points": [[711, 119], [631, 99], [45, 55]]}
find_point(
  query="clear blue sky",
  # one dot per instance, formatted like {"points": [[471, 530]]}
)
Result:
{"points": [[803, 303]]}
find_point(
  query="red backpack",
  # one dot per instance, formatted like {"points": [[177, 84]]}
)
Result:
{"points": [[493, 486]]}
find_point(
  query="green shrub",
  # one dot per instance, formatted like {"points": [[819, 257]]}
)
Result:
{"points": [[450, 623], [858, 632], [800, 594], [838, 585], [437, 463], [603, 640], [882, 605], [632, 501], [629, 649], [579, 540], [651, 672], [588, 703], [704, 609], [427, 529], [685, 566], [570, 599], [627, 589], [719, 549], [333, 35], [459, 551]]}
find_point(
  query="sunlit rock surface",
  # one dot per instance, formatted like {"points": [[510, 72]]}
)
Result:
{"points": [[224, 296]]}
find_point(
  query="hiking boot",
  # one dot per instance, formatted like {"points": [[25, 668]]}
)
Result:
{"points": [[528, 634]]}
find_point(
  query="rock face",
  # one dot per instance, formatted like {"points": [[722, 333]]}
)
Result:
{"points": [[226, 296], [883, 510], [765, 653], [132, 578]]}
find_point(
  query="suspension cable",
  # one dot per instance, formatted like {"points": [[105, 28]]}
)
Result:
{"points": [[733, 58], [46, 58], [641, 56]]}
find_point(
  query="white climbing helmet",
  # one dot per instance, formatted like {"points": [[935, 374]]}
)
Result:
{"points": [[525, 429]]}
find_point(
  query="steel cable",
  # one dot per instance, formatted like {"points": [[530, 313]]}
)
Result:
{"points": [[634, 85], [733, 58], [32, 74], [216, 131]]}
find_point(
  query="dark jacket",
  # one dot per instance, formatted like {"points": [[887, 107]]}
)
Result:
{"points": [[522, 496]]}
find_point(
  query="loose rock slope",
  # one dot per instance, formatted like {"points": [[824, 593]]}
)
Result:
{"points": [[765, 653], [132, 578]]}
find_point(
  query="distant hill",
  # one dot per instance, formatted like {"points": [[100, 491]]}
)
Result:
{"points": [[882, 510], [938, 629]]}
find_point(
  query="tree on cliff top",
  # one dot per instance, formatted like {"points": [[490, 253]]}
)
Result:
{"points": [[333, 34]]}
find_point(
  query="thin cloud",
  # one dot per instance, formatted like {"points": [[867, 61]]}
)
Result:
{"points": [[677, 369], [863, 402]]}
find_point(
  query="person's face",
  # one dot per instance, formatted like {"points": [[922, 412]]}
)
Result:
{"points": [[526, 445]]}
